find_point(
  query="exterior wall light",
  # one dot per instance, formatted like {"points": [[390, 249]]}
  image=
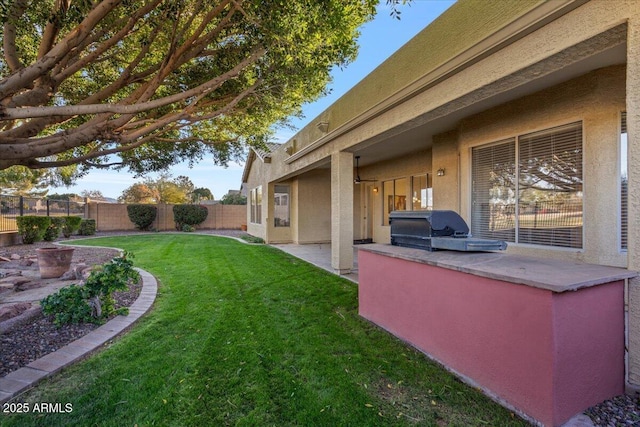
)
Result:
{"points": [[375, 190], [440, 172], [323, 126]]}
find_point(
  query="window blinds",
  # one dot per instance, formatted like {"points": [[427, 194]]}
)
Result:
{"points": [[536, 200]]}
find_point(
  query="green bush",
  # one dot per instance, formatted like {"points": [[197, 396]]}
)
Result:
{"points": [[69, 305], [87, 227], [71, 225], [142, 215], [32, 228], [53, 230], [92, 302], [189, 215]]}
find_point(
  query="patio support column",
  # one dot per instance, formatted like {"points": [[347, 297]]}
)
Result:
{"points": [[633, 254], [342, 212]]}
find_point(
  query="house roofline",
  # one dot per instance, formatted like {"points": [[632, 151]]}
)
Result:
{"points": [[524, 25]]}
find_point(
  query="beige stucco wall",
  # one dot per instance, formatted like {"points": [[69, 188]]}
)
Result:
{"points": [[418, 163], [313, 207], [597, 99]]}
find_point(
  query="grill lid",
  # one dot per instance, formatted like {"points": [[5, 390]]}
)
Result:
{"points": [[437, 229]]}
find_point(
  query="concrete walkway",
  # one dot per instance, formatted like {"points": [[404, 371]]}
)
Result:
{"points": [[24, 378], [319, 254]]}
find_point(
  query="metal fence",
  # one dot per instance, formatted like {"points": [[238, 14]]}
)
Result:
{"points": [[12, 207]]}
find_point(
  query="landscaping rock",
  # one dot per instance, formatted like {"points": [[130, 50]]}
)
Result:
{"points": [[10, 273], [25, 286], [14, 280], [10, 311], [69, 275], [15, 257]]}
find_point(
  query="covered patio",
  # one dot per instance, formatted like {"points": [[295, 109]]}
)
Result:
{"points": [[319, 254]]}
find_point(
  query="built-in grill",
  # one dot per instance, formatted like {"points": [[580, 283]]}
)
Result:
{"points": [[435, 230]]}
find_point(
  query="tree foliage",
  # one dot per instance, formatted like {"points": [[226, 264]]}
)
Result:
{"points": [[22, 181], [233, 199], [144, 84], [164, 189], [199, 194]]}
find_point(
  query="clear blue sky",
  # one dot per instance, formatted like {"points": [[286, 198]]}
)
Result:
{"points": [[379, 39]]}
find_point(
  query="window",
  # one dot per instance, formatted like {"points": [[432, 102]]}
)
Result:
{"points": [[529, 189], [394, 196], [281, 206], [624, 183], [421, 192], [256, 205]]}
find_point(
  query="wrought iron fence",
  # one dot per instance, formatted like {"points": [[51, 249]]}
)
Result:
{"points": [[12, 207]]}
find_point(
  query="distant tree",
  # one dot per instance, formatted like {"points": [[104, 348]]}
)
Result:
{"points": [[139, 193], [201, 194], [233, 199], [21, 181], [164, 189], [184, 183], [171, 190], [92, 194], [63, 196]]}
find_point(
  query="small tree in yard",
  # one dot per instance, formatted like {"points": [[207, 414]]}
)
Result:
{"points": [[142, 215], [187, 217]]}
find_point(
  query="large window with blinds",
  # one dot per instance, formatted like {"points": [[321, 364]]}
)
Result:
{"points": [[528, 189]]}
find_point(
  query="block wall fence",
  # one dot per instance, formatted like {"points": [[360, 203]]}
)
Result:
{"points": [[114, 217]]}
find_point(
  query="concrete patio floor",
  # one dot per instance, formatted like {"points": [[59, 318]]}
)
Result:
{"points": [[319, 254]]}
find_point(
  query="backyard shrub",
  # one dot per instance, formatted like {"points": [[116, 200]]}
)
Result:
{"points": [[142, 215], [71, 225], [189, 215], [92, 302], [87, 227], [32, 228], [53, 230]]}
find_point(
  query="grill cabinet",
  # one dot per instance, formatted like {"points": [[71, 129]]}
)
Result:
{"points": [[434, 230]]}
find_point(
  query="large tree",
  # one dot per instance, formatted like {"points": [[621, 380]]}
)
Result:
{"points": [[143, 84]]}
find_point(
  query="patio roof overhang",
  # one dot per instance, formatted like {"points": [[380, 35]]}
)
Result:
{"points": [[375, 142]]}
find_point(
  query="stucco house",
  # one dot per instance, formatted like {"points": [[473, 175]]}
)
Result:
{"points": [[522, 116]]}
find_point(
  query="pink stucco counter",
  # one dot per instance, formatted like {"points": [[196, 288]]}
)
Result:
{"points": [[542, 336]]}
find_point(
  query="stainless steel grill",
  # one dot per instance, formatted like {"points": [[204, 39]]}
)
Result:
{"points": [[436, 230]]}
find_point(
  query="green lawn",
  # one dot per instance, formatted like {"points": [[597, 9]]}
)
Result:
{"points": [[247, 335]]}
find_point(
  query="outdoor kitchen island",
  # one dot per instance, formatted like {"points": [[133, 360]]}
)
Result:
{"points": [[544, 337]]}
